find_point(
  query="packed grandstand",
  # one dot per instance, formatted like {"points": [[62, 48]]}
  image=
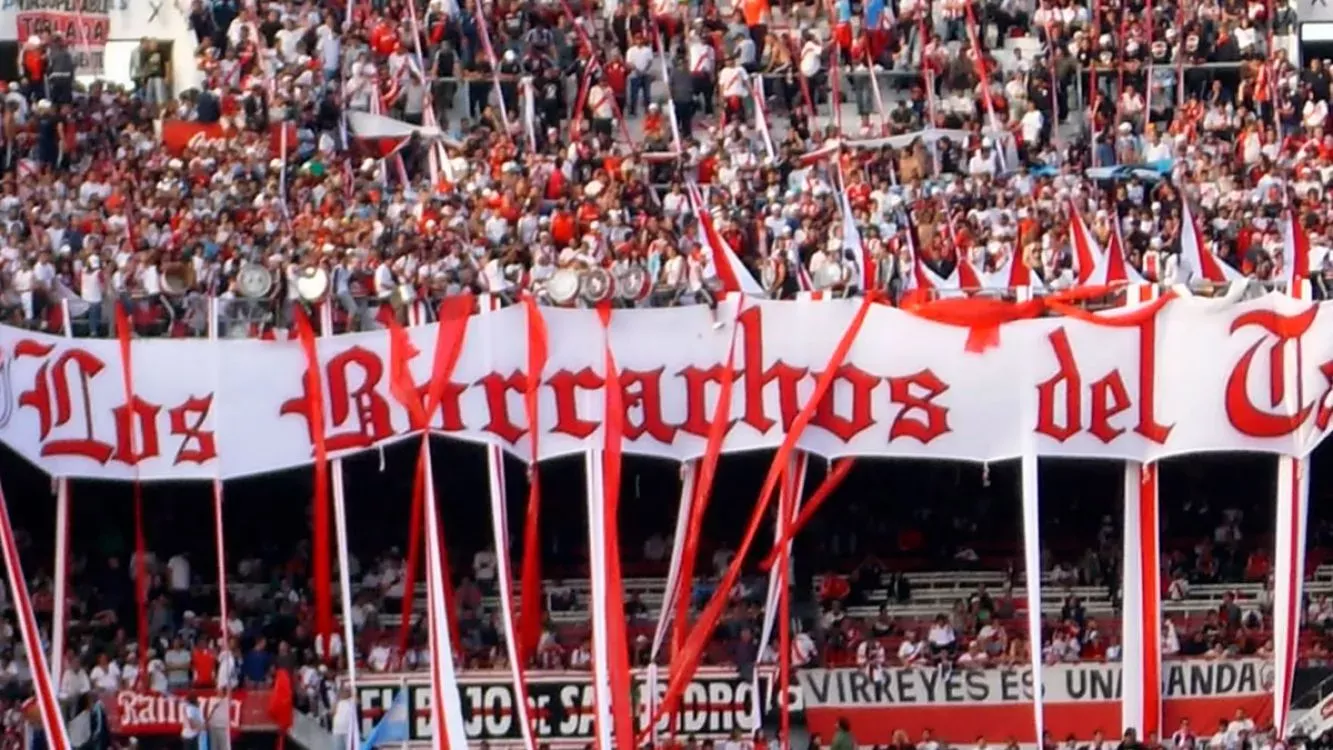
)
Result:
{"points": [[243, 170]]}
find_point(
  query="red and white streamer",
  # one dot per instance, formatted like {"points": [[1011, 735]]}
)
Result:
{"points": [[793, 487], [61, 583], [446, 705], [1032, 559], [53, 725], [1289, 531], [601, 655], [689, 473], [340, 539], [60, 590], [761, 116], [1141, 613], [505, 576]]}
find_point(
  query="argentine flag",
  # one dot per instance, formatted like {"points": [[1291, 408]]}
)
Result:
{"points": [[391, 729]]}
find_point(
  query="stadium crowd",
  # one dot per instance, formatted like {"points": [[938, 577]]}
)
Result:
{"points": [[573, 135]]}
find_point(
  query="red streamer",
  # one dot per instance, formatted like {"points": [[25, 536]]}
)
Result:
{"points": [[617, 644], [983, 317], [840, 471], [140, 542], [419, 495], [454, 314], [321, 563], [785, 504], [703, 488], [683, 669], [48, 707], [530, 611]]}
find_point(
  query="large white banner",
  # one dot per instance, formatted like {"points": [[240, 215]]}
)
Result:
{"points": [[1200, 376]]}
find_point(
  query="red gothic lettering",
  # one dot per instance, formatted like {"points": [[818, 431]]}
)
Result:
{"points": [[450, 409], [1067, 377], [1108, 395], [197, 445], [1147, 424], [916, 393], [50, 396], [371, 409], [643, 390], [498, 388], [751, 326], [136, 431], [698, 409], [826, 416], [757, 377], [1246, 416], [1325, 414], [788, 378], [565, 384], [1109, 398]]}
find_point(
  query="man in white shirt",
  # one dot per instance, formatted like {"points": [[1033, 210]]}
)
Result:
{"points": [[639, 59], [911, 651], [702, 62], [105, 677], [192, 723], [484, 566], [344, 721]]}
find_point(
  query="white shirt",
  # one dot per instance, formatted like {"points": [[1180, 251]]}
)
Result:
{"points": [[344, 718], [483, 565], [941, 635], [90, 285], [378, 661], [701, 57], [179, 569], [734, 82], [909, 651], [74, 683], [107, 678], [192, 721], [384, 283], [639, 58]]}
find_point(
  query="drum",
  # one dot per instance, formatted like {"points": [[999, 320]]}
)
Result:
{"points": [[403, 295], [254, 281], [563, 287], [312, 284], [174, 280], [769, 274], [633, 283], [831, 275], [596, 286]]}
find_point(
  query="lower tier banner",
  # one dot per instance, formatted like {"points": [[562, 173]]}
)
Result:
{"points": [[139, 713], [716, 703], [959, 706]]}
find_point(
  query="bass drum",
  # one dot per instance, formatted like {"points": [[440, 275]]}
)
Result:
{"points": [[634, 284], [596, 286], [563, 287]]}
